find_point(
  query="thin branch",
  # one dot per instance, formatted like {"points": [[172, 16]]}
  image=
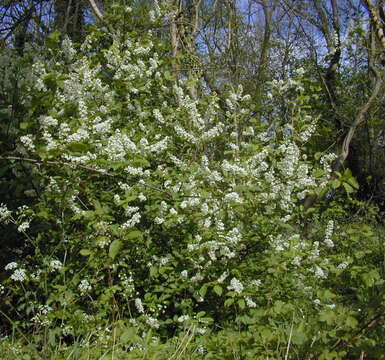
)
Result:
{"points": [[290, 337], [96, 10], [360, 117], [371, 323], [87, 168]]}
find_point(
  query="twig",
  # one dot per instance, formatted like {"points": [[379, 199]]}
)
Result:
{"points": [[90, 169], [360, 332], [290, 337], [183, 340], [96, 10]]}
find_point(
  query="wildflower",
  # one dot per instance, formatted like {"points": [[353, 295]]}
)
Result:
{"points": [[4, 212], [139, 305], [343, 265], [19, 275], [164, 260], [27, 141], [132, 222], [116, 199], [12, 265], [183, 318], [297, 261], [201, 349], [329, 233], [55, 265], [256, 283], [23, 226], [84, 286], [159, 220], [223, 277], [44, 309], [319, 273], [201, 331], [250, 303], [152, 322], [235, 285]]}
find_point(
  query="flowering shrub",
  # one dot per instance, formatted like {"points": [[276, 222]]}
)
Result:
{"points": [[165, 213]]}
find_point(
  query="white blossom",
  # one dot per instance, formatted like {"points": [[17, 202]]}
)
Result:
{"points": [[55, 265], [154, 323], [139, 305], [183, 318], [4, 213], [158, 220], [250, 303], [235, 285], [23, 226], [84, 286], [319, 273], [329, 233], [19, 275], [12, 265]]}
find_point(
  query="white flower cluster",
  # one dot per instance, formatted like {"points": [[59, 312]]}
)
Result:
{"points": [[152, 322], [329, 233], [11, 266], [28, 142], [235, 285], [19, 275], [326, 160], [135, 219], [233, 197], [84, 286], [319, 273], [183, 318], [55, 265], [44, 309], [4, 213], [250, 303], [139, 305]]}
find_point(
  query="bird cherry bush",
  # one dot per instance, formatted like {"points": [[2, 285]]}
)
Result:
{"points": [[155, 213]]}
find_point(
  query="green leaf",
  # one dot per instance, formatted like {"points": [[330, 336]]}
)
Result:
{"points": [[153, 271], [351, 322], [24, 126], [85, 252], [241, 304], [353, 182], [229, 302], [129, 335], [135, 234], [299, 335], [348, 188], [218, 290], [335, 184], [168, 76], [114, 248], [200, 314], [327, 316], [203, 290], [78, 147]]}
